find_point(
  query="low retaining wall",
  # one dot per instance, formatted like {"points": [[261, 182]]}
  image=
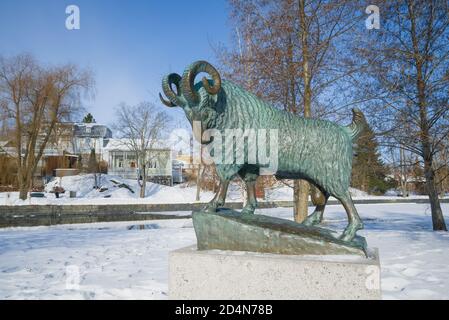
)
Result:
{"points": [[34, 215]]}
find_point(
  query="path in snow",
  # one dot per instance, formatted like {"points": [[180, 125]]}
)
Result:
{"points": [[119, 260]]}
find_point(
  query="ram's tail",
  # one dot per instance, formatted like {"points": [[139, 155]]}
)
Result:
{"points": [[357, 125]]}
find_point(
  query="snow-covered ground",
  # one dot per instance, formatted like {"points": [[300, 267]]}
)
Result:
{"points": [[155, 193], [114, 194], [128, 260]]}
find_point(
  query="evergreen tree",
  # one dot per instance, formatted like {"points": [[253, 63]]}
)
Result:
{"points": [[93, 166], [88, 118], [368, 170]]}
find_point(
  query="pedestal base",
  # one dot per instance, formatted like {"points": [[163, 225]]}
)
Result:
{"points": [[217, 274]]}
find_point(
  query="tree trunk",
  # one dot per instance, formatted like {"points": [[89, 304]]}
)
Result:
{"points": [[23, 191], [198, 183], [443, 179], [24, 184], [437, 214], [301, 190], [403, 179], [301, 199], [421, 86], [144, 181]]}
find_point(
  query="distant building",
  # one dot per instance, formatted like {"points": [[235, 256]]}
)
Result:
{"points": [[7, 148], [122, 161], [178, 171], [8, 166], [88, 136], [189, 166], [69, 149]]}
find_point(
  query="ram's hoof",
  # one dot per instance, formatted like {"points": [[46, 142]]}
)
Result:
{"points": [[312, 220], [350, 231], [247, 211], [209, 208]]}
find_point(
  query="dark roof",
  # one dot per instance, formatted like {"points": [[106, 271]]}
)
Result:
{"points": [[91, 130]]}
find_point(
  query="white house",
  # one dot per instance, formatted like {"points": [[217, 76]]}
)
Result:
{"points": [[122, 161], [73, 142], [88, 136]]}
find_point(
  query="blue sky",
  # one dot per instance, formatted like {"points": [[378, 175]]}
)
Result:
{"points": [[130, 45]]}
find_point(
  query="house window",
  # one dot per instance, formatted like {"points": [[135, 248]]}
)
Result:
{"points": [[152, 164], [118, 161]]}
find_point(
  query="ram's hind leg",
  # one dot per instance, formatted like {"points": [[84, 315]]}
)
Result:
{"points": [[354, 221], [317, 216]]}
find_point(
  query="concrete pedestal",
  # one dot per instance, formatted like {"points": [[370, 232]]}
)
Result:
{"points": [[217, 274]]}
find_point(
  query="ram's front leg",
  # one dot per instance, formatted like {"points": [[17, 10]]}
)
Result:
{"points": [[219, 198]]}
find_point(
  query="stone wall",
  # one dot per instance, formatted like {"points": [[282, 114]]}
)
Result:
{"points": [[33, 215]]}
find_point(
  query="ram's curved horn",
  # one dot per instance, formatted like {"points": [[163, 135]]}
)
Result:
{"points": [[174, 99], [188, 78], [166, 102]]}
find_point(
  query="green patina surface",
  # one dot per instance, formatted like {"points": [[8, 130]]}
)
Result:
{"points": [[318, 151], [229, 230]]}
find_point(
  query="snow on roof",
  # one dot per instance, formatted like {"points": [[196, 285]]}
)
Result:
{"points": [[91, 130], [7, 148], [88, 124], [123, 144]]}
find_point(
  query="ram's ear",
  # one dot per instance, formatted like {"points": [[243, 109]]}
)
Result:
{"points": [[207, 100]]}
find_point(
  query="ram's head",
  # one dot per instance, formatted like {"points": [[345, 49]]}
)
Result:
{"points": [[197, 100]]}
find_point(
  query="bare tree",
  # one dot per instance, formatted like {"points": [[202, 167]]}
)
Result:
{"points": [[408, 74], [35, 98], [292, 53], [141, 128]]}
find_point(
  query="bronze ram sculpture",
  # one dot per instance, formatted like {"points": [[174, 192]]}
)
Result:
{"points": [[318, 151]]}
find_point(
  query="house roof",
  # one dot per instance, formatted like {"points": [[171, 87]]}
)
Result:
{"points": [[91, 130], [7, 148], [5, 143], [123, 145]]}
